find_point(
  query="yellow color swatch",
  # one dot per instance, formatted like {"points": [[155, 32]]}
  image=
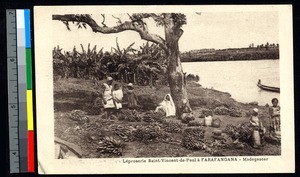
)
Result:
{"points": [[29, 110]]}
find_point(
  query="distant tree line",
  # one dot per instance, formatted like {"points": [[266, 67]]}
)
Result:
{"points": [[266, 46], [263, 51]]}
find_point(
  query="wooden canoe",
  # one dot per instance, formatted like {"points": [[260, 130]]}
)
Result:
{"points": [[268, 88]]}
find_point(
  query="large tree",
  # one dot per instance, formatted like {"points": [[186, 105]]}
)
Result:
{"points": [[171, 22]]}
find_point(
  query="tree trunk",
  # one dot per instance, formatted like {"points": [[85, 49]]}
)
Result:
{"points": [[176, 77], [134, 78], [151, 80]]}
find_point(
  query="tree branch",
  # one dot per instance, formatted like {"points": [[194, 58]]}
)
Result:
{"points": [[125, 26], [119, 20], [103, 16]]}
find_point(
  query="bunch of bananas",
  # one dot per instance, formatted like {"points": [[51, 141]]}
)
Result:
{"points": [[130, 115], [205, 112], [242, 132], [232, 131], [125, 133], [111, 146], [92, 132], [147, 133], [154, 117], [222, 110], [193, 138], [172, 126], [245, 131], [187, 119], [195, 124], [79, 116]]}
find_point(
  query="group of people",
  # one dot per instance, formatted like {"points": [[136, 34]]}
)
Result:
{"points": [[113, 96], [259, 130]]}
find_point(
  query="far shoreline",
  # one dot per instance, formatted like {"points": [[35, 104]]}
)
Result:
{"points": [[225, 60]]}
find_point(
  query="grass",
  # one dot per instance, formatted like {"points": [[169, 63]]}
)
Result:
{"points": [[80, 94]]}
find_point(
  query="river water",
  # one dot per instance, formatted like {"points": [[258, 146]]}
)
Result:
{"points": [[239, 78]]}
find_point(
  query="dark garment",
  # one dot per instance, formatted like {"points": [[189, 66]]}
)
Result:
{"points": [[132, 100]]}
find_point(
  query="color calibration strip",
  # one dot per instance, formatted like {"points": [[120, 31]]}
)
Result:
{"points": [[20, 91], [30, 144]]}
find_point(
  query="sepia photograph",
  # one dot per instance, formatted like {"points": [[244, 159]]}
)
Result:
{"points": [[163, 86]]}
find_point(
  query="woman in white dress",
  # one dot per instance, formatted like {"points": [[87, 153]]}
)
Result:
{"points": [[167, 106]]}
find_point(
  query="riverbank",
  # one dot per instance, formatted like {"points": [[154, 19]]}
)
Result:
{"points": [[78, 94]]}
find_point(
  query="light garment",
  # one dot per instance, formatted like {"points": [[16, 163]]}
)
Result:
{"points": [[167, 106], [107, 95], [257, 124], [118, 95], [275, 122], [256, 137], [255, 121]]}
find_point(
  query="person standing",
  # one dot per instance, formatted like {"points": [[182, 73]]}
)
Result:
{"points": [[258, 129], [275, 130], [117, 94], [107, 97], [131, 97]]}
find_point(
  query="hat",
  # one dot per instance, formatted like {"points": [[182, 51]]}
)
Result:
{"points": [[255, 110], [109, 78], [130, 85]]}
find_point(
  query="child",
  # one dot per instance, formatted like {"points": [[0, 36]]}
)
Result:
{"points": [[131, 97], [258, 128], [107, 100], [117, 95], [275, 120]]}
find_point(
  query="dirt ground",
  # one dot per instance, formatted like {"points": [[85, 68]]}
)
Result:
{"points": [[75, 94]]}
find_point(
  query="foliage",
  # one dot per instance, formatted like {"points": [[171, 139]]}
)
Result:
{"points": [[141, 67], [231, 54], [192, 77]]}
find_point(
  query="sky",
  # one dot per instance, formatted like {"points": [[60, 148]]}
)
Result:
{"points": [[217, 30]]}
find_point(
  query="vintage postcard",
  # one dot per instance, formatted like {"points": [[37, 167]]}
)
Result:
{"points": [[164, 89]]}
